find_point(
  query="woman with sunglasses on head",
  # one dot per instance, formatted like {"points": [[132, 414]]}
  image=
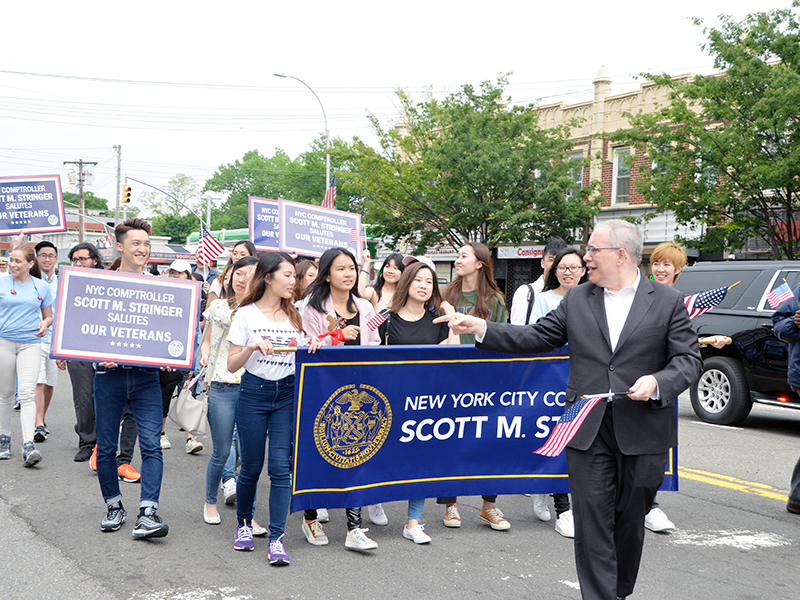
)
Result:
{"points": [[474, 291], [222, 385], [568, 270], [25, 314], [335, 306], [410, 321], [266, 319]]}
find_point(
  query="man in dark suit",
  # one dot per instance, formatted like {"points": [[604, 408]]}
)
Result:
{"points": [[627, 335]]}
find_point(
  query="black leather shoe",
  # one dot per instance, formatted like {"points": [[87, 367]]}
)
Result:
{"points": [[83, 455], [793, 508]]}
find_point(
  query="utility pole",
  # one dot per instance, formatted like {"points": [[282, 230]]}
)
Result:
{"points": [[118, 148], [81, 206]]}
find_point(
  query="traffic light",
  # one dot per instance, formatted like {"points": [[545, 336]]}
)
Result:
{"points": [[126, 194]]}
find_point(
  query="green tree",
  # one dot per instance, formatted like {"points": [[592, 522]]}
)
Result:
{"points": [[182, 191], [90, 201], [301, 180], [726, 148], [470, 167], [177, 227]]}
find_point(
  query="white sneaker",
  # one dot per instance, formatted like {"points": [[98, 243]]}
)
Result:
{"points": [[165, 445], [656, 520], [417, 534], [357, 540], [322, 515], [565, 524], [229, 491], [193, 445], [540, 508], [376, 515], [314, 533]]}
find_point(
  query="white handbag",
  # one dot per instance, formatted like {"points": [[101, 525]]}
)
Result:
{"points": [[189, 411]]}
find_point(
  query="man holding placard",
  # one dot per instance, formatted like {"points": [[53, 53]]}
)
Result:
{"points": [[114, 387]]}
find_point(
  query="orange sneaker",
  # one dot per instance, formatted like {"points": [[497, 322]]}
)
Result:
{"points": [[495, 519], [128, 473], [93, 459]]}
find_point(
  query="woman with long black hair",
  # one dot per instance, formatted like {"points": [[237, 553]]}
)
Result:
{"points": [[380, 293]]}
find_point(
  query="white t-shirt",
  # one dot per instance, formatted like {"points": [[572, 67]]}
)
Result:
{"points": [[519, 303], [544, 303], [249, 324], [216, 287]]}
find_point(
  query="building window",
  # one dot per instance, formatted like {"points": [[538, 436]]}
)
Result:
{"points": [[576, 172], [621, 183]]}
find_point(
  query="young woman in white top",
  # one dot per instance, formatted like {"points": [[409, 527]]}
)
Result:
{"points": [[267, 319], [380, 293], [568, 270], [223, 386]]}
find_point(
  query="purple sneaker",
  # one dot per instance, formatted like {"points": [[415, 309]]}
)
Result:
{"points": [[277, 553], [244, 538]]}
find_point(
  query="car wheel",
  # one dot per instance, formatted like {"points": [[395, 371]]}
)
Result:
{"points": [[721, 394]]}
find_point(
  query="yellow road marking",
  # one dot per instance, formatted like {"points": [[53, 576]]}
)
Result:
{"points": [[734, 483]]}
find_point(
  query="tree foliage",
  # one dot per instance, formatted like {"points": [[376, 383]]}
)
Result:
{"points": [[176, 227], [90, 201], [301, 179], [469, 168], [182, 191], [726, 148]]}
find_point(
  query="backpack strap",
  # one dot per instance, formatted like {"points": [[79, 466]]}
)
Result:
{"points": [[531, 295]]}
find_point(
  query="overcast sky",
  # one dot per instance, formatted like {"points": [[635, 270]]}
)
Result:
{"points": [[184, 87]]}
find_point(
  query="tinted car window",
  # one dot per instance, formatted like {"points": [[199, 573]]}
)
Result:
{"points": [[791, 278], [691, 282]]}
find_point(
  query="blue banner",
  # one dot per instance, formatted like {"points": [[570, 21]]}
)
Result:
{"points": [[380, 424]]}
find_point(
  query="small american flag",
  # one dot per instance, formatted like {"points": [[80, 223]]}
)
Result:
{"points": [[376, 321], [779, 295], [568, 425], [358, 236], [329, 200], [110, 237], [702, 302], [209, 247]]}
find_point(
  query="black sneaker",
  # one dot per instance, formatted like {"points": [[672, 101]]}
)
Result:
{"points": [[149, 525], [115, 517], [39, 434], [30, 455]]}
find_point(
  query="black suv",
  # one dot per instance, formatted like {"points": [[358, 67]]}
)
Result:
{"points": [[753, 368]]}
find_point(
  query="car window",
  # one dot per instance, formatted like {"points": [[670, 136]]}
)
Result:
{"points": [[692, 281], [792, 277]]}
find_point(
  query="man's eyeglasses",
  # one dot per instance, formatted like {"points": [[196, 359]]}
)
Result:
{"points": [[591, 250], [81, 259], [47, 256], [565, 268]]}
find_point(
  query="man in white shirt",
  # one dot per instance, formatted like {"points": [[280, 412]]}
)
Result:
{"points": [[524, 297], [631, 337]]}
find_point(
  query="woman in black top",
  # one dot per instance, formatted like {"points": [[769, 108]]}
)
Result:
{"points": [[410, 321]]}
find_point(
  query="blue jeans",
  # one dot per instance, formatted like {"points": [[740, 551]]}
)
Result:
{"points": [[262, 406], [221, 416], [229, 472], [415, 508], [113, 389]]}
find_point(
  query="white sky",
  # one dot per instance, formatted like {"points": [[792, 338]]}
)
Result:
{"points": [[354, 54]]}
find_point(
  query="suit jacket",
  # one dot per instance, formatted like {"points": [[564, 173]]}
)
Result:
{"points": [[657, 339]]}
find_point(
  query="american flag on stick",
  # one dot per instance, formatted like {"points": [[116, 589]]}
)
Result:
{"points": [[209, 247], [569, 423], [779, 295], [110, 237], [358, 235], [329, 200], [702, 302], [376, 321]]}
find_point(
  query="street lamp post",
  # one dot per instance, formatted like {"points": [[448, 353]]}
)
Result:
{"points": [[327, 132]]}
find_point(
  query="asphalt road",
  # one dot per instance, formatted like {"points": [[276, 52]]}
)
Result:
{"points": [[734, 538]]}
